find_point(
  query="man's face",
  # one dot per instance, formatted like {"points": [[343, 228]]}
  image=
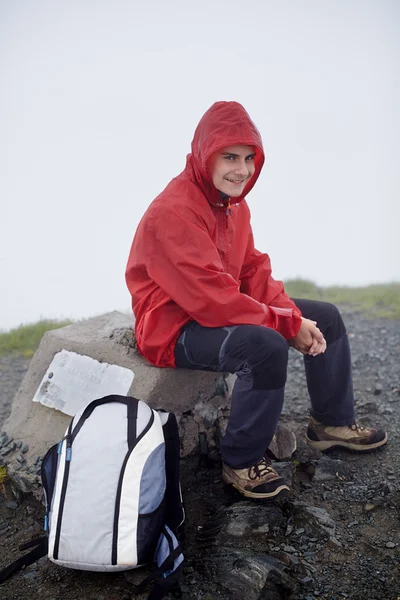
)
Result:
{"points": [[231, 168]]}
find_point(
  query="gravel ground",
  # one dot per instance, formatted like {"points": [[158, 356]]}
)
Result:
{"points": [[12, 372], [358, 497]]}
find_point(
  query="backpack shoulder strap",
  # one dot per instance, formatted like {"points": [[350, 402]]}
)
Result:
{"points": [[26, 560]]}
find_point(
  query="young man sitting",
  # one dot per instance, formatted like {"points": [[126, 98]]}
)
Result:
{"points": [[205, 298]]}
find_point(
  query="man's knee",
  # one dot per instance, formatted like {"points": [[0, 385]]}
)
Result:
{"points": [[267, 357], [334, 326]]}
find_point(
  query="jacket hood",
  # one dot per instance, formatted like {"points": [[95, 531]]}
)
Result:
{"points": [[224, 124]]}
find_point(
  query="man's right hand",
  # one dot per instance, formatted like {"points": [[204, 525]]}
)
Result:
{"points": [[309, 339]]}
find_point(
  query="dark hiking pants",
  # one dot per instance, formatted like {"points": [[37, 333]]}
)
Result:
{"points": [[259, 357]]}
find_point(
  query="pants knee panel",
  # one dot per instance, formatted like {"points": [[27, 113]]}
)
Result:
{"points": [[267, 358]]}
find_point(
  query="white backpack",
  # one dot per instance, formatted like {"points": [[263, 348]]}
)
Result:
{"points": [[112, 491]]}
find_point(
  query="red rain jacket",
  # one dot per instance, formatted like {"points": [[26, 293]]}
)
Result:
{"points": [[191, 261]]}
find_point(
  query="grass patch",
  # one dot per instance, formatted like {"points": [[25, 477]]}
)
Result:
{"points": [[382, 300], [26, 338], [3, 475]]}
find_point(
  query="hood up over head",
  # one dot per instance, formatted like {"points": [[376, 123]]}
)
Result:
{"points": [[224, 124]]}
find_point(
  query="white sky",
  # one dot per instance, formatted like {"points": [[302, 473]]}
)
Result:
{"points": [[98, 105]]}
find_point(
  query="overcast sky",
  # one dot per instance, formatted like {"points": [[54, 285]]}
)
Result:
{"points": [[98, 105]]}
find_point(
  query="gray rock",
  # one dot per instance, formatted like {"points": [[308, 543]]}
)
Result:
{"points": [[286, 470], [30, 575], [7, 450], [243, 524], [328, 469], [283, 444], [318, 518], [205, 414], [252, 576]]}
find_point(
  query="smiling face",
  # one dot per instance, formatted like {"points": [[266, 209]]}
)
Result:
{"points": [[231, 168]]}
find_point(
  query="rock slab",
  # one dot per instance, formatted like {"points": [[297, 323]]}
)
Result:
{"points": [[109, 339]]}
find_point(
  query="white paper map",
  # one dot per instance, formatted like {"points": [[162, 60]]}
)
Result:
{"points": [[73, 380]]}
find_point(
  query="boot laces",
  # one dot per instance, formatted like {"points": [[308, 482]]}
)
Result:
{"points": [[261, 469]]}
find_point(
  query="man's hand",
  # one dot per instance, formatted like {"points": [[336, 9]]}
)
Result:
{"points": [[309, 340]]}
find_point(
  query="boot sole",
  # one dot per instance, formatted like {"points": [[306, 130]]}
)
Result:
{"points": [[328, 444], [279, 490]]}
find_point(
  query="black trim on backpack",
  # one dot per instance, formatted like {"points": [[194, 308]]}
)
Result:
{"points": [[163, 583], [48, 482], [119, 489], [90, 408], [174, 510], [132, 410], [63, 491]]}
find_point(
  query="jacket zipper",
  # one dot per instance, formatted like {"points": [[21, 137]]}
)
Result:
{"points": [[228, 210]]}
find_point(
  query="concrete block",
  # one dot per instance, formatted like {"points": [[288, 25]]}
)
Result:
{"points": [[109, 339]]}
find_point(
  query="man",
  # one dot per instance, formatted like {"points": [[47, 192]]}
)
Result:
{"points": [[204, 298]]}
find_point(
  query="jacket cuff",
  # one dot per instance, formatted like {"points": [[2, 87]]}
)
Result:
{"points": [[287, 321]]}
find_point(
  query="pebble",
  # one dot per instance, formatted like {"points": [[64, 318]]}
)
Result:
{"points": [[31, 575], [353, 524], [7, 450], [390, 545]]}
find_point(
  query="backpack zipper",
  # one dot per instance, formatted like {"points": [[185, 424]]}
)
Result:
{"points": [[68, 453], [114, 557], [70, 437]]}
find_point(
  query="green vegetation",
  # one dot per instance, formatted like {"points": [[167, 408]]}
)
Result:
{"points": [[3, 475], [25, 338], [382, 300]]}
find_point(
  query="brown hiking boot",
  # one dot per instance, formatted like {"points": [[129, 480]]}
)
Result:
{"points": [[259, 481], [352, 437]]}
